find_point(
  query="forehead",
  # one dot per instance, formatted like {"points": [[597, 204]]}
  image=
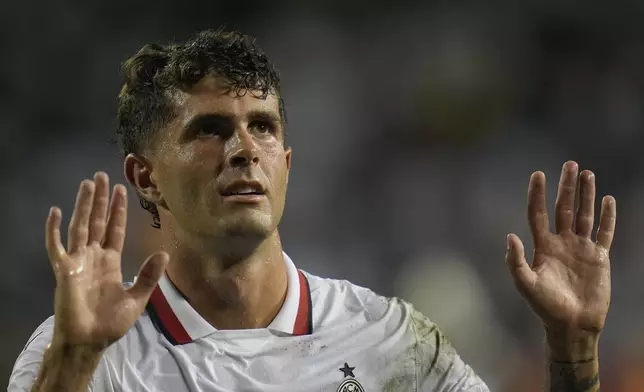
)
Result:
{"points": [[212, 96]]}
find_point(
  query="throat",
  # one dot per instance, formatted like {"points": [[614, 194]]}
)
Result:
{"points": [[245, 295]]}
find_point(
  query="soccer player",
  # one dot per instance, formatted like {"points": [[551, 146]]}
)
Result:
{"points": [[222, 307]]}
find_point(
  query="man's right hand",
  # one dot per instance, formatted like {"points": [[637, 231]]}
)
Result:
{"points": [[92, 308]]}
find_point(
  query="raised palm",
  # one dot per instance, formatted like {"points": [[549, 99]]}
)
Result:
{"points": [[568, 282], [91, 306]]}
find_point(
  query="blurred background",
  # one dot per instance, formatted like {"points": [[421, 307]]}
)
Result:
{"points": [[415, 128]]}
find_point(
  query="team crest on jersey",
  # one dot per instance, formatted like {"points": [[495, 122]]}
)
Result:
{"points": [[349, 384]]}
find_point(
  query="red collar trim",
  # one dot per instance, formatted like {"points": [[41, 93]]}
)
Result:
{"points": [[304, 319], [162, 315]]}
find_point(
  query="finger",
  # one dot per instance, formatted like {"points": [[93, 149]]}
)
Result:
{"points": [[607, 218], [98, 217], [565, 203], [115, 231], [55, 248], [79, 224], [586, 212], [149, 275], [537, 211], [524, 276]]}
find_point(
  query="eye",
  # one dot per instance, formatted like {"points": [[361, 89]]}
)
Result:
{"points": [[215, 128], [262, 127], [209, 129]]}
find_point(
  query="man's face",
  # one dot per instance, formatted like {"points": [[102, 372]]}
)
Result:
{"points": [[221, 166]]}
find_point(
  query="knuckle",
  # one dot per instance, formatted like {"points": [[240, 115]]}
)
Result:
{"points": [[118, 231], [80, 230], [98, 225]]}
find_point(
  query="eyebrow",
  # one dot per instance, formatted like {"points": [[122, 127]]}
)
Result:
{"points": [[264, 115], [206, 118], [253, 115]]}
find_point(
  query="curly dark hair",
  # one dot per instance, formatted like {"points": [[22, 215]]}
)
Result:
{"points": [[145, 105]]}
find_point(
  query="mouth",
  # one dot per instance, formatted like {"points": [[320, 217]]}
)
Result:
{"points": [[244, 192]]}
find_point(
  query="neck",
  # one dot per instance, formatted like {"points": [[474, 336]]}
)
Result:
{"points": [[230, 292]]}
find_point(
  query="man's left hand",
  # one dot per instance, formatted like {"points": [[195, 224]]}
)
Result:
{"points": [[568, 282]]}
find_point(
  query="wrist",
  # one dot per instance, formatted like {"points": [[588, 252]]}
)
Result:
{"points": [[572, 345], [73, 349], [71, 343], [67, 367], [78, 359]]}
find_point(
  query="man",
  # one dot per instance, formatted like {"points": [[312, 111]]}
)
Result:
{"points": [[202, 128]]}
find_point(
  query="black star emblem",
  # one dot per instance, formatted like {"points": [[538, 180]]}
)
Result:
{"points": [[347, 370]]}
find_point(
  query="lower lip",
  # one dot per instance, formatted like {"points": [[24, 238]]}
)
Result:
{"points": [[245, 199]]}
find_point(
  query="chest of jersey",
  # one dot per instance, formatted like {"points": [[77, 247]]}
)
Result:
{"points": [[338, 359]]}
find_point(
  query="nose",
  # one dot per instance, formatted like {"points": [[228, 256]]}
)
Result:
{"points": [[243, 150]]}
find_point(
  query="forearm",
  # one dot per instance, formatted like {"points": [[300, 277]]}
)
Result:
{"points": [[573, 362], [67, 368]]}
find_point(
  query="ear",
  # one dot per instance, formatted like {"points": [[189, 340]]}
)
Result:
{"points": [[288, 155], [139, 173]]}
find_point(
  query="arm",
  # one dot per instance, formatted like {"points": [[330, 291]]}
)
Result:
{"points": [[574, 363]]}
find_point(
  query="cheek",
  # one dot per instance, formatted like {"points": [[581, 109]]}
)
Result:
{"points": [[200, 154], [195, 159], [184, 169], [280, 172]]}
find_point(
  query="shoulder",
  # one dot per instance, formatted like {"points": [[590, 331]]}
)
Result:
{"points": [[341, 297], [39, 339], [27, 365], [392, 320], [439, 366], [329, 294], [345, 306]]}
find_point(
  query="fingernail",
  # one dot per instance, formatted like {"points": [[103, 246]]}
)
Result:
{"points": [[573, 165], [507, 241]]}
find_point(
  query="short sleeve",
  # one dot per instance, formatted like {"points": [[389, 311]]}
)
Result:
{"points": [[439, 367]]}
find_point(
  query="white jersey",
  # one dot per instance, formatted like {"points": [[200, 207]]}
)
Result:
{"points": [[329, 336]]}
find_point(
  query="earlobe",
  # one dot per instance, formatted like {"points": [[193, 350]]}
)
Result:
{"points": [[138, 172]]}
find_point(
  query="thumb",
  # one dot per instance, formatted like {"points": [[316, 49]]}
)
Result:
{"points": [[524, 276], [149, 275]]}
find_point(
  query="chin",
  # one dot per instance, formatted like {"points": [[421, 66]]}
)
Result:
{"points": [[255, 224], [237, 240]]}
